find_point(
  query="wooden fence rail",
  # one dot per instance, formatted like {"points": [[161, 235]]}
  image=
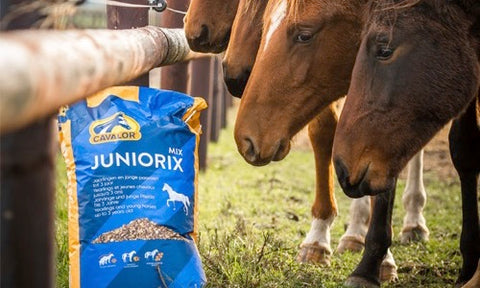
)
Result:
{"points": [[49, 69]]}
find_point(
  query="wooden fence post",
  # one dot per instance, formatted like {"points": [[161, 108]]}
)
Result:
{"points": [[176, 76], [227, 103], [27, 177], [217, 99], [200, 87], [128, 18]]}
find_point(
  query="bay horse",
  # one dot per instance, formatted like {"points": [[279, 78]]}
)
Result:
{"points": [[409, 80], [208, 24], [270, 100]]}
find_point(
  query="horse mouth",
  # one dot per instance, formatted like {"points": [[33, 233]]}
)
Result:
{"points": [[363, 185], [209, 46], [358, 189]]}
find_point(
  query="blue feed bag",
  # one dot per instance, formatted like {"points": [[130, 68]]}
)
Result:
{"points": [[132, 163]]}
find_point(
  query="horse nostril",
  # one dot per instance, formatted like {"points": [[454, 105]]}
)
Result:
{"points": [[203, 37], [249, 151]]}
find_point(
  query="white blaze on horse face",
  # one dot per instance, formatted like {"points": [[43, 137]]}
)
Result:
{"points": [[277, 17]]}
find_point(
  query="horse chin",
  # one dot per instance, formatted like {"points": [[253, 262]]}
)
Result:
{"points": [[207, 47], [365, 185], [365, 188]]}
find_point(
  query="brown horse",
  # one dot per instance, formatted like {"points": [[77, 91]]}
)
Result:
{"points": [[417, 69], [259, 105], [316, 246], [208, 24], [243, 46]]}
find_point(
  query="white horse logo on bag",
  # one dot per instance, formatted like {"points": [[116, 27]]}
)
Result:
{"points": [[106, 259], [128, 257], [151, 254], [175, 196]]}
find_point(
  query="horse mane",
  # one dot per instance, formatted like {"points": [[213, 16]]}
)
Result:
{"points": [[295, 8]]}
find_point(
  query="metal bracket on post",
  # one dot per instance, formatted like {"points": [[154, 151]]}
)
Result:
{"points": [[158, 5]]}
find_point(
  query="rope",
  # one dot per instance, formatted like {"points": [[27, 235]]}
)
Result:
{"points": [[177, 11]]}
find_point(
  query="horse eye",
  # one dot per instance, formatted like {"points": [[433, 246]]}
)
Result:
{"points": [[303, 37], [384, 53]]}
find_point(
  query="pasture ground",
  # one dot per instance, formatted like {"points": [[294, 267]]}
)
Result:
{"points": [[252, 220]]}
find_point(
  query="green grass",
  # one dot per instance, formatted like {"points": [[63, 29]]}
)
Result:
{"points": [[252, 220]]}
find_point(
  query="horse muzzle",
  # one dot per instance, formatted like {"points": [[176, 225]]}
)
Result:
{"points": [[204, 42], [235, 83], [261, 156], [356, 186]]}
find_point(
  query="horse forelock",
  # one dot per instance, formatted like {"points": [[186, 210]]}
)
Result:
{"points": [[251, 5], [297, 8], [387, 13], [293, 8], [447, 12]]}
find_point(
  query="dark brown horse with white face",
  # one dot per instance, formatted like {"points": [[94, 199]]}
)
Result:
{"points": [[417, 68], [208, 24], [244, 42]]}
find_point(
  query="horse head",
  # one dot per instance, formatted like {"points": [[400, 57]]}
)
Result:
{"points": [[408, 81], [166, 187], [303, 64], [243, 46], [117, 120], [208, 24]]}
